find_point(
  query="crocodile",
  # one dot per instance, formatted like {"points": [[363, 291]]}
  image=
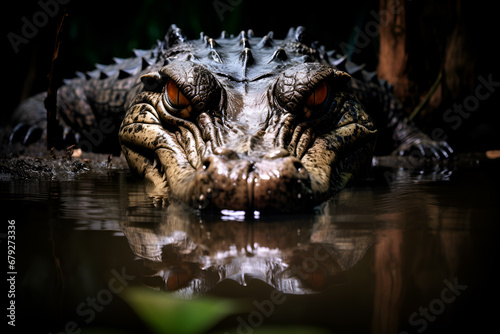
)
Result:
{"points": [[235, 122]]}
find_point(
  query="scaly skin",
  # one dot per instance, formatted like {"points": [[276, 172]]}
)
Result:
{"points": [[241, 123]]}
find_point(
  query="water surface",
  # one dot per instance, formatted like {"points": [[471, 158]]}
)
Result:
{"points": [[403, 251]]}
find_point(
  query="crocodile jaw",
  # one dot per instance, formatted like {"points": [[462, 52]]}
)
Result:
{"points": [[228, 134]]}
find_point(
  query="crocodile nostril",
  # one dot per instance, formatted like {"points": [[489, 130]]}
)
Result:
{"points": [[226, 152], [277, 153], [298, 166], [206, 164]]}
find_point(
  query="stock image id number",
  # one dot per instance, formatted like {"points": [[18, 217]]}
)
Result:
{"points": [[11, 244]]}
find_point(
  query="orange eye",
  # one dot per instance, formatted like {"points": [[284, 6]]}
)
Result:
{"points": [[317, 279], [177, 99], [318, 96], [177, 280]]}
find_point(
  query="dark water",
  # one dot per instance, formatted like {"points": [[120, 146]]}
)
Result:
{"points": [[404, 251]]}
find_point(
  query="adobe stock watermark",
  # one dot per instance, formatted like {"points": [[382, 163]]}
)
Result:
{"points": [[95, 137], [372, 28], [88, 308], [311, 264], [264, 309], [30, 26], [223, 6], [454, 117], [420, 319]]}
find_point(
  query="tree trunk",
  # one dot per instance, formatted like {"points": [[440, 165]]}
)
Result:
{"points": [[393, 57]]}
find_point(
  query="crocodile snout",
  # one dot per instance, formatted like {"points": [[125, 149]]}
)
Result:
{"points": [[228, 180]]}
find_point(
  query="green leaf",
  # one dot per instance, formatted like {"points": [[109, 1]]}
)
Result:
{"points": [[166, 314], [276, 329]]}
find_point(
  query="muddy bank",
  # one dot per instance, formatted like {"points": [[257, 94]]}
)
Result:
{"points": [[30, 168], [18, 162], [36, 162], [66, 165]]}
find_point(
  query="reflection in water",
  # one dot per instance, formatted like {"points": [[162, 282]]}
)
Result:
{"points": [[366, 261], [190, 253]]}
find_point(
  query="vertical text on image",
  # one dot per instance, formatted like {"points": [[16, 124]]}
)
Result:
{"points": [[11, 272]]}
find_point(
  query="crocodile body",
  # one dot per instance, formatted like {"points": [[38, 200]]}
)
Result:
{"points": [[235, 122]]}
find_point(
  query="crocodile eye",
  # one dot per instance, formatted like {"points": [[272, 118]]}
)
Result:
{"points": [[316, 99], [177, 103], [318, 96], [177, 99]]}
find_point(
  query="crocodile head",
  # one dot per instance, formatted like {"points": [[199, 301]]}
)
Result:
{"points": [[246, 123]]}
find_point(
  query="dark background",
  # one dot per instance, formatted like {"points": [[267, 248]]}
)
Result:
{"points": [[96, 31]]}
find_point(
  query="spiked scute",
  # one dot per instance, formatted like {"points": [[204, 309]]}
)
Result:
{"points": [[263, 123], [91, 96], [244, 51], [241, 58]]}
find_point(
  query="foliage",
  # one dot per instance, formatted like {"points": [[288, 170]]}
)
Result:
{"points": [[166, 314]]}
